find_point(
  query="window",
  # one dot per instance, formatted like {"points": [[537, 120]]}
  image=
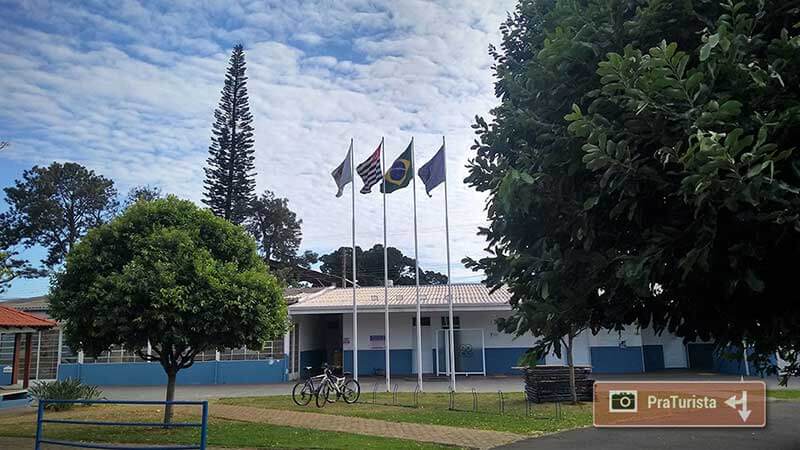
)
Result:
{"points": [[426, 321], [446, 322]]}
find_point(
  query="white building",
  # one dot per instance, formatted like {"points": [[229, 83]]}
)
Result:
{"points": [[323, 330]]}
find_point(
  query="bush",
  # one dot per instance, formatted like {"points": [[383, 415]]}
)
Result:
{"points": [[69, 389]]}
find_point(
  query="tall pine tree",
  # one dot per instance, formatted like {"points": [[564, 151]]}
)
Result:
{"points": [[230, 183]]}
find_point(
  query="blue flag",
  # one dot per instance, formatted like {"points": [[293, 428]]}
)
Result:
{"points": [[432, 173]]}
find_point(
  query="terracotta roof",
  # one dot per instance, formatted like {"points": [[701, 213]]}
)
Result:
{"points": [[11, 318], [465, 296]]}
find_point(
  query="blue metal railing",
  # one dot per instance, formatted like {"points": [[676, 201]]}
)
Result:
{"points": [[41, 420]]}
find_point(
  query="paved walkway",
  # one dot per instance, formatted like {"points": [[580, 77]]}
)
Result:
{"points": [[418, 432], [405, 384]]}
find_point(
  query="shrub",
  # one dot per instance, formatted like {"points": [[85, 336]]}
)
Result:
{"points": [[69, 389]]}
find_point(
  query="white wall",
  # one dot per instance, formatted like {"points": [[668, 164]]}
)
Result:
{"points": [[401, 335], [580, 351], [400, 329], [675, 356], [373, 324], [630, 335], [310, 332]]}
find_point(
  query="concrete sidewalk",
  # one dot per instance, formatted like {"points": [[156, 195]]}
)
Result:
{"points": [[405, 384]]}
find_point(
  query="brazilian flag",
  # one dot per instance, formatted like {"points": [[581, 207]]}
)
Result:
{"points": [[399, 174]]}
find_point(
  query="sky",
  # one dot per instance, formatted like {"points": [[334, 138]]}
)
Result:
{"points": [[128, 89]]}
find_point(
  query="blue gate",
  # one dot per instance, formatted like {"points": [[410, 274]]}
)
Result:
{"points": [[41, 420]]}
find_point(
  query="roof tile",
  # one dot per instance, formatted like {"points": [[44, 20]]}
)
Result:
{"points": [[11, 318]]}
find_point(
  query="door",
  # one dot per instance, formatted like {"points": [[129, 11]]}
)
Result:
{"points": [[470, 356], [701, 356], [427, 345], [653, 357]]}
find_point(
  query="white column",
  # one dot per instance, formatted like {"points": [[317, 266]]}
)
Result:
{"points": [[60, 349], [416, 267], [385, 277], [451, 351], [38, 352], [355, 306]]}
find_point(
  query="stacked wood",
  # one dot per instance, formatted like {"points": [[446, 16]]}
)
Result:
{"points": [[551, 383]]}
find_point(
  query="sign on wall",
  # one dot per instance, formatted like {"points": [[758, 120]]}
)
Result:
{"points": [[377, 341]]}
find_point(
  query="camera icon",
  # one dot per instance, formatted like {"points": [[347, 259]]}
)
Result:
{"points": [[622, 401]]}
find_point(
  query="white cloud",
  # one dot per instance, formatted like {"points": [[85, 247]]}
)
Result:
{"points": [[129, 91]]}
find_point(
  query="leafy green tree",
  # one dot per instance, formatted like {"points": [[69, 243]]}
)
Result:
{"points": [[55, 206], [645, 150], [172, 275], [370, 267], [11, 266], [230, 178], [275, 227], [145, 193]]}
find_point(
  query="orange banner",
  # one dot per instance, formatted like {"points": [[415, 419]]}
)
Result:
{"points": [[680, 404]]}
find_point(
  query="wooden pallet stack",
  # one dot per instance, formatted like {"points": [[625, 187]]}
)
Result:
{"points": [[551, 383]]}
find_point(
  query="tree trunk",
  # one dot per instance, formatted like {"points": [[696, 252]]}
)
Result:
{"points": [[171, 375], [571, 362]]}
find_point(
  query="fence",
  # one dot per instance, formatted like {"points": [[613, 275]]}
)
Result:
{"points": [[501, 403], [41, 420]]}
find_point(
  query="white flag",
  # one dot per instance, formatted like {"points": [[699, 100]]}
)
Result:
{"points": [[344, 173]]}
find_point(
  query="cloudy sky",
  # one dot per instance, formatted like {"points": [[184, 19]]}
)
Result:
{"points": [[128, 89]]}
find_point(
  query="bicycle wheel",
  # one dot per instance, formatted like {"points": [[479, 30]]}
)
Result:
{"points": [[351, 391], [322, 394], [302, 393]]}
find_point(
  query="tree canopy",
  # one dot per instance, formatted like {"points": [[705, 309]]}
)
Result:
{"points": [[11, 265], [275, 227], [54, 206], [369, 266], [641, 165], [142, 193], [170, 274], [230, 178]]}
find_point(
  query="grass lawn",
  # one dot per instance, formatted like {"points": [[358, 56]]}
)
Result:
{"points": [[221, 433], [433, 409], [784, 394]]}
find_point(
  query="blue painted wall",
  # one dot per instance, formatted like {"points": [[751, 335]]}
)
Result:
{"points": [[371, 360], [701, 356], [653, 357], [5, 378], [501, 360], [731, 361], [152, 374], [616, 359]]}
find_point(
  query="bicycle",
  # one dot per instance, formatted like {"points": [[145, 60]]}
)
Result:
{"points": [[303, 392], [346, 388]]}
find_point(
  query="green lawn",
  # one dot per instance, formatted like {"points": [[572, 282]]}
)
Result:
{"points": [[784, 394], [221, 433], [433, 409]]}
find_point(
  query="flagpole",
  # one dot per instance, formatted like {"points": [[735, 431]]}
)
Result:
{"points": [[385, 273], [355, 306], [416, 268], [449, 290]]}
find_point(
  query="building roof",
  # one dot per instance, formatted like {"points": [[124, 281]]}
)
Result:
{"points": [[474, 296], [27, 304], [14, 319]]}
